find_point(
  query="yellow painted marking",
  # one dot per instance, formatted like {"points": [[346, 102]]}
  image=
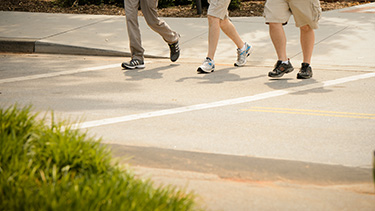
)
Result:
{"points": [[312, 112], [317, 111]]}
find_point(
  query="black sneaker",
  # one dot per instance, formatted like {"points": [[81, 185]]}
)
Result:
{"points": [[305, 72], [133, 64], [281, 69], [175, 51]]}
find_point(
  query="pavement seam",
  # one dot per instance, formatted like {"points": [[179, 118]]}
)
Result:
{"points": [[80, 27], [322, 40]]}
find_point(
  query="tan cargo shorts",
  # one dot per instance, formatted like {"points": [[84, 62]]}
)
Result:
{"points": [[218, 8], [305, 12]]}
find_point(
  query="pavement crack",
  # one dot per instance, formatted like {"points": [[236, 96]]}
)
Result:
{"points": [[73, 29]]}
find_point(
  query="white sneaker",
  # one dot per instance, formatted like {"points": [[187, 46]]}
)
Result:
{"points": [[242, 55], [207, 66]]}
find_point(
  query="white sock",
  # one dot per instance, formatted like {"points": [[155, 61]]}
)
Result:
{"points": [[285, 62]]}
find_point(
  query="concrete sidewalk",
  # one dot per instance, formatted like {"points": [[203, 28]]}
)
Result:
{"points": [[223, 181]]}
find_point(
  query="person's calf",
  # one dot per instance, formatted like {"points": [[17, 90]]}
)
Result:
{"points": [[307, 42], [278, 39]]}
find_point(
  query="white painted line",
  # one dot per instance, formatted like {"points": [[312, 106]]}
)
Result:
{"points": [[54, 74], [369, 10], [347, 79], [179, 110], [247, 99]]}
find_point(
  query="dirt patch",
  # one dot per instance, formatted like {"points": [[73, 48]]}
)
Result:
{"points": [[248, 8]]}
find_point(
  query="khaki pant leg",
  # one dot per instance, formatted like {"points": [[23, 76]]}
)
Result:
{"points": [[134, 34], [149, 10], [306, 12]]}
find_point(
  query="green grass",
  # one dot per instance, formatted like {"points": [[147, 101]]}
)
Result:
{"points": [[46, 167]]}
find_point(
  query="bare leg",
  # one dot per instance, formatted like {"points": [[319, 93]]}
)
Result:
{"points": [[307, 42], [213, 35], [278, 38], [229, 29]]}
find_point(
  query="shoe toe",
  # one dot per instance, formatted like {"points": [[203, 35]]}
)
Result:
{"points": [[175, 56]]}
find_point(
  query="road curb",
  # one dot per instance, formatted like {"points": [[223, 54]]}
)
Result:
{"points": [[242, 168], [17, 45], [53, 48], [36, 46]]}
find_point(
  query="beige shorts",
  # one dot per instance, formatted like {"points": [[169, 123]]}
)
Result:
{"points": [[218, 8], [305, 12]]}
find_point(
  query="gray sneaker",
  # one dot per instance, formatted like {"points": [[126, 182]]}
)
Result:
{"points": [[207, 66], [305, 71], [242, 55]]}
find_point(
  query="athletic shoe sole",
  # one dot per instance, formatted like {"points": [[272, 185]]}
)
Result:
{"points": [[303, 77], [200, 70], [133, 67], [281, 74]]}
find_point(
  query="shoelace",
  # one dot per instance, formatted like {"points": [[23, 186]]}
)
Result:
{"points": [[305, 70], [175, 47]]}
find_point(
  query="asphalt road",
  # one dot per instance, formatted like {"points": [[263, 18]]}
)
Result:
{"points": [[234, 111], [235, 124]]}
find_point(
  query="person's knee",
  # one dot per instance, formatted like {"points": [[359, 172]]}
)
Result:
{"points": [[306, 28], [153, 22], [212, 19], [225, 22], [275, 25]]}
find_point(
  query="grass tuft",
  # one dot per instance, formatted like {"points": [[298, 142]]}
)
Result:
{"points": [[54, 168]]}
